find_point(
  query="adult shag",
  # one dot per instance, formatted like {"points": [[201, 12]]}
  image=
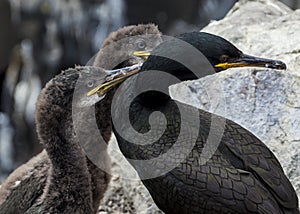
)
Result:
{"points": [[240, 176], [61, 178]]}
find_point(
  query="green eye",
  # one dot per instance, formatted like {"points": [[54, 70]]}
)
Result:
{"points": [[224, 58], [90, 83]]}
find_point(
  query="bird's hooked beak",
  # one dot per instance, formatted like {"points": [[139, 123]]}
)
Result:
{"points": [[250, 61], [113, 78]]}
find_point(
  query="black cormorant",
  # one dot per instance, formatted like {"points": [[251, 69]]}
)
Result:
{"points": [[241, 176], [39, 183]]}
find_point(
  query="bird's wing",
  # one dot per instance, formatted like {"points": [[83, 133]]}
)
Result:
{"points": [[221, 186], [261, 162]]}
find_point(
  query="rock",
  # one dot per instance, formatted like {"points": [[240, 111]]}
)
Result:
{"points": [[266, 102], [126, 193]]}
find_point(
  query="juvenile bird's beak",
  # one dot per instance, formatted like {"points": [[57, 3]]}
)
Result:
{"points": [[251, 61], [142, 54], [113, 78], [117, 76]]}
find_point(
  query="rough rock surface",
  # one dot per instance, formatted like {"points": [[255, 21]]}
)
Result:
{"points": [[126, 193], [266, 102]]}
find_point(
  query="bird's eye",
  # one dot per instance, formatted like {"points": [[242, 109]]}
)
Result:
{"points": [[90, 83], [141, 45], [224, 58]]}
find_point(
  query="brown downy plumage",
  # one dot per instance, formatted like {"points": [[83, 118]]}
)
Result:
{"points": [[41, 184]]}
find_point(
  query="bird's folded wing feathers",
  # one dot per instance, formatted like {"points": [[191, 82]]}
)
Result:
{"points": [[260, 161]]}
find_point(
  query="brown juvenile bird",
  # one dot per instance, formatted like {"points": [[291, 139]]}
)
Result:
{"points": [[61, 178]]}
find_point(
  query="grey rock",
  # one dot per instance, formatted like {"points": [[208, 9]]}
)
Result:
{"points": [[126, 193]]}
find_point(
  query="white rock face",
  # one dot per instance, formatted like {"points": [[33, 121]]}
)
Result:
{"points": [[264, 101]]}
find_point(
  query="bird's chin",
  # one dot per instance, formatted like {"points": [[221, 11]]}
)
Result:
{"points": [[88, 101]]}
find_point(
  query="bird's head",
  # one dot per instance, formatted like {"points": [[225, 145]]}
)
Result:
{"points": [[116, 55], [117, 50], [219, 53], [223, 55]]}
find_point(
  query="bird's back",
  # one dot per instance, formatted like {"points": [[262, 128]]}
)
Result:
{"points": [[242, 176]]}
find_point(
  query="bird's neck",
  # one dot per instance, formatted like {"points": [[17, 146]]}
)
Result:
{"points": [[103, 115], [53, 116], [153, 99], [144, 120]]}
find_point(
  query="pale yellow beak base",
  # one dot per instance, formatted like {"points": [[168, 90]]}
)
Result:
{"points": [[143, 54]]}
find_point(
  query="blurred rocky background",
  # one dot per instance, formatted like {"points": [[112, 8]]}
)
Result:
{"points": [[39, 38]]}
